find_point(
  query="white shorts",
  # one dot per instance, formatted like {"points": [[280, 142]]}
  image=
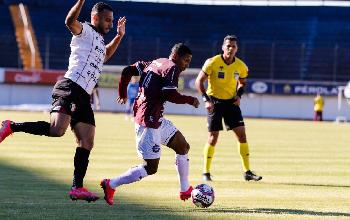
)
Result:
{"points": [[148, 140]]}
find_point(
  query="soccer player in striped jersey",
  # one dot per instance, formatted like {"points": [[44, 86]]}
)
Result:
{"points": [[226, 75], [71, 95]]}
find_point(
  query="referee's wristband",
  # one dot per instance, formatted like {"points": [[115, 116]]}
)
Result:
{"points": [[205, 97], [240, 92]]}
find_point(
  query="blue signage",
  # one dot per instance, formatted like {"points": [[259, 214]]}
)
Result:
{"points": [[187, 83]]}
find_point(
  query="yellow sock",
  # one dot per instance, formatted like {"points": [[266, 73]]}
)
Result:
{"points": [[208, 153], [243, 150]]}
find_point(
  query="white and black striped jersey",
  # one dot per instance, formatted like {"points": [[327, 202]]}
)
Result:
{"points": [[88, 51]]}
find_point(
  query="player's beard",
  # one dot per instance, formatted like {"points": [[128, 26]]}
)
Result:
{"points": [[103, 30], [231, 55], [106, 31]]}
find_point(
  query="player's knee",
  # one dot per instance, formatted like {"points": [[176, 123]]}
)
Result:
{"points": [[212, 140], [57, 132], [87, 143], [242, 138], [78, 142], [151, 169], [184, 149], [187, 148]]}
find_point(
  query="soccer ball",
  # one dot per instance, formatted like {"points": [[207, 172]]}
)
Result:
{"points": [[203, 195]]}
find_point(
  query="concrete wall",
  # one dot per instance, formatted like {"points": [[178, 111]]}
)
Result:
{"points": [[253, 105]]}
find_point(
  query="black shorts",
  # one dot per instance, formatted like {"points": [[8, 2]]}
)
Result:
{"points": [[224, 109], [69, 98]]}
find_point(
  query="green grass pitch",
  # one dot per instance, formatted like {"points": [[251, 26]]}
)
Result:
{"points": [[305, 168]]}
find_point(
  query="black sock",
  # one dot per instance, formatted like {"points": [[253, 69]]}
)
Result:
{"points": [[36, 128], [81, 162]]}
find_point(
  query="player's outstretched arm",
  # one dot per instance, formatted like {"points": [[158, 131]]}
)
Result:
{"points": [[113, 45], [72, 22], [172, 95]]}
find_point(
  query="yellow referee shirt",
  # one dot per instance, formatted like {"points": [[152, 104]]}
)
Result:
{"points": [[319, 103], [223, 78]]}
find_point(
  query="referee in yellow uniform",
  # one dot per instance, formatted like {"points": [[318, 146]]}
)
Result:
{"points": [[318, 107], [226, 76]]}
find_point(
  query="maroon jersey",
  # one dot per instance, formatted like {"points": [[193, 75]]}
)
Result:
{"points": [[158, 84]]}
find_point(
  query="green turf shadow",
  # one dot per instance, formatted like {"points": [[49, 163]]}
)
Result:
{"points": [[273, 211], [27, 195], [312, 185]]}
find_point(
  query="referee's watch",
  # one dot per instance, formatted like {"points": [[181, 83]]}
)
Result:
{"points": [[205, 97]]}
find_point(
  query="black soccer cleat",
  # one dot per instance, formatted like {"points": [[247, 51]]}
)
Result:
{"points": [[206, 177], [249, 175]]}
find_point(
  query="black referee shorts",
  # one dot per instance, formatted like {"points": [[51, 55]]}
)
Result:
{"points": [[224, 109], [69, 98]]}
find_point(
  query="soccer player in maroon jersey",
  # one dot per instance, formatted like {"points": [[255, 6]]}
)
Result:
{"points": [[158, 84]]}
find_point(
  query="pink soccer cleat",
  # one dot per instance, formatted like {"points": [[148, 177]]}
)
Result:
{"points": [[108, 191], [82, 194], [187, 194], [5, 130]]}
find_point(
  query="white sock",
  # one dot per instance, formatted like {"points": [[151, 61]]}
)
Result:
{"points": [[134, 174], [182, 166]]}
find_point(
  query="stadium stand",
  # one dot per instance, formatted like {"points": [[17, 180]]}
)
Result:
{"points": [[296, 43], [7, 39]]}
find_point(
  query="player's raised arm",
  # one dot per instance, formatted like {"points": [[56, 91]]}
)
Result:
{"points": [[72, 22], [113, 45]]}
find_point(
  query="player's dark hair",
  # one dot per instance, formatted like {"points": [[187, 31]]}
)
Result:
{"points": [[230, 38], [100, 7], [181, 49]]}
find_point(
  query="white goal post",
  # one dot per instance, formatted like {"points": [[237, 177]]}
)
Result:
{"points": [[343, 93]]}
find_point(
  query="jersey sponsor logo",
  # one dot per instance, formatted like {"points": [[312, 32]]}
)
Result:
{"points": [[99, 50], [156, 148], [93, 65], [221, 75]]}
